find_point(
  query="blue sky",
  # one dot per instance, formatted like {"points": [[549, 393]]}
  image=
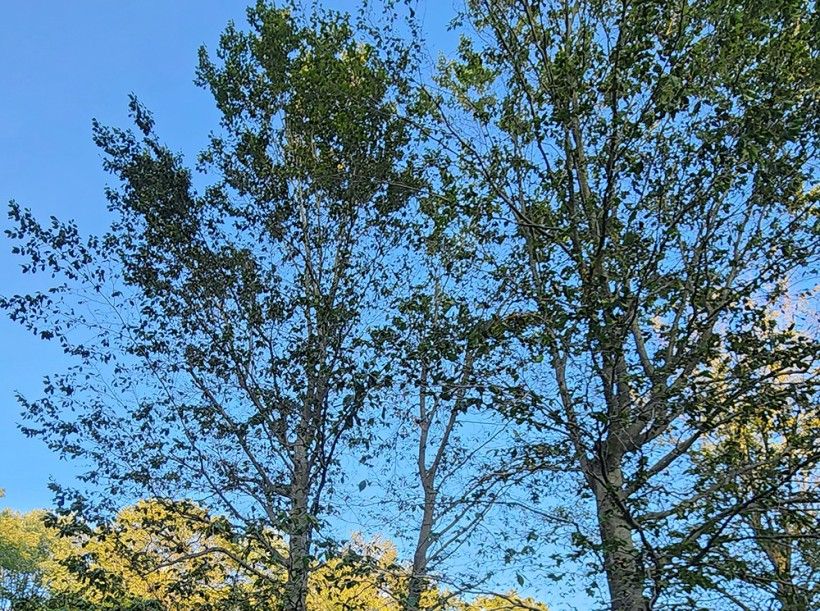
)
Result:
{"points": [[62, 64]]}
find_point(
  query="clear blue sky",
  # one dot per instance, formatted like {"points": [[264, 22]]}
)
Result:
{"points": [[62, 64]]}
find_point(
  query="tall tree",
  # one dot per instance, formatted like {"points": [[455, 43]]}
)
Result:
{"points": [[447, 339], [221, 335], [631, 186], [655, 163]]}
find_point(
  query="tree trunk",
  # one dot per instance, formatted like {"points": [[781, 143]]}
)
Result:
{"points": [[624, 573], [418, 581], [296, 586], [295, 598]]}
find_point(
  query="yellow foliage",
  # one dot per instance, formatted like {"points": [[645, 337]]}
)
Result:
{"points": [[153, 553], [24, 540], [27, 549], [171, 554], [498, 602]]}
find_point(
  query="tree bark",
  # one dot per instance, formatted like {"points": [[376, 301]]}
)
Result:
{"points": [[418, 582], [295, 598], [427, 476], [624, 573]]}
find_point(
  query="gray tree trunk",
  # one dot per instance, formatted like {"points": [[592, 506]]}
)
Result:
{"points": [[624, 572], [295, 598], [418, 581]]}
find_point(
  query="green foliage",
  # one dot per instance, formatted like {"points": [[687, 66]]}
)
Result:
{"points": [[231, 321], [656, 164]]}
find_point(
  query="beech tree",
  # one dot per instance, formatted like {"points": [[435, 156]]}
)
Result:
{"points": [[221, 332], [655, 163]]}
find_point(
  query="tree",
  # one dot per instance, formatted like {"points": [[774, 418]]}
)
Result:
{"points": [[499, 602], [451, 366], [221, 334], [649, 171], [621, 190], [154, 554], [773, 547], [24, 544], [29, 569]]}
